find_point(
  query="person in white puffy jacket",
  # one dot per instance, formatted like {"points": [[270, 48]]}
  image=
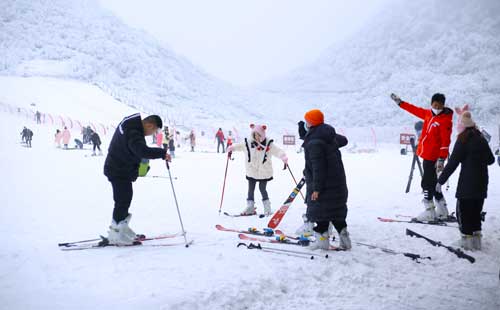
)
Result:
{"points": [[258, 151]]}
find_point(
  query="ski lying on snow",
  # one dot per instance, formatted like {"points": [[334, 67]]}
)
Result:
{"points": [[456, 251], [413, 256], [242, 215], [251, 231], [139, 238], [303, 242], [450, 219], [267, 232], [105, 244], [300, 254], [413, 221]]}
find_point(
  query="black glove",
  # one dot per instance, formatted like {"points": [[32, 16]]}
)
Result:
{"points": [[302, 130], [396, 99]]}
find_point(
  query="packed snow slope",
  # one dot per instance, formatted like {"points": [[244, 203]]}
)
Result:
{"points": [[49, 195], [414, 49], [80, 40]]}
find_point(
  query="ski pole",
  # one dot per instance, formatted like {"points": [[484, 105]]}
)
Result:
{"points": [[295, 180], [177, 204], [224, 184]]}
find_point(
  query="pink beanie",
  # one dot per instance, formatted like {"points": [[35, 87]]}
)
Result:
{"points": [[260, 129]]}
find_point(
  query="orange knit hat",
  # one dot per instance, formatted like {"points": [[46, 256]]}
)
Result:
{"points": [[314, 117]]}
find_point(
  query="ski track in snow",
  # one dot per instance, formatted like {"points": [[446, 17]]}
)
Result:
{"points": [[50, 195]]}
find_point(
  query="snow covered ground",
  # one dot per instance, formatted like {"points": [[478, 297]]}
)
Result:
{"points": [[49, 195]]}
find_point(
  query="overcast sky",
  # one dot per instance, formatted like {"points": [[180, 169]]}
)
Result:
{"points": [[247, 42]]}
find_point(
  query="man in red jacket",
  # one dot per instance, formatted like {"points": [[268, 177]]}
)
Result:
{"points": [[433, 148]]}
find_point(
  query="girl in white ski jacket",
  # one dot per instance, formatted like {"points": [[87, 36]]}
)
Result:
{"points": [[258, 151]]}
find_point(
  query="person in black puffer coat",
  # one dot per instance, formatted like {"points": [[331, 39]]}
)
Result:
{"points": [[327, 192], [126, 150], [474, 154]]}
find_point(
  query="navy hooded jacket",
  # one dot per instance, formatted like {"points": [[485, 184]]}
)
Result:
{"points": [[127, 148]]}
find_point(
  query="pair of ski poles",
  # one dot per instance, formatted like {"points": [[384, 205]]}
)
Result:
{"points": [[225, 177]]}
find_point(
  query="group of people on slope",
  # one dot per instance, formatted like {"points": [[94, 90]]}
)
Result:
{"points": [[327, 192], [89, 136]]}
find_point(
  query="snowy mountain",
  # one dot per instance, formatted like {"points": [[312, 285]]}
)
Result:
{"points": [[80, 40], [413, 48]]}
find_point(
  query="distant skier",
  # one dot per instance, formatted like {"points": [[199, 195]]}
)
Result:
{"points": [[171, 146], [473, 153], [159, 139], [66, 136], [126, 150], [29, 137], [38, 117], [96, 142], [326, 194], [219, 137], [78, 144], [259, 165], [433, 147], [230, 139], [58, 138], [23, 134], [166, 137], [192, 140]]}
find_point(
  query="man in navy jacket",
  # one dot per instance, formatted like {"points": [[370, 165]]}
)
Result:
{"points": [[127, 148]]}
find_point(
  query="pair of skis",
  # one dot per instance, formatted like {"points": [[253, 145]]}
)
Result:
{"points": [[103, 242]]}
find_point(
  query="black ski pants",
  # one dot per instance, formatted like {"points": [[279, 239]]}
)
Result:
{"points": [[338, 222], [122, 195], [429, 180], [262, 187], [469, 215], [96, 146]]}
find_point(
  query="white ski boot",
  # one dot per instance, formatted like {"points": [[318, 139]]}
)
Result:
{"points": [[100, 153], [93, 154], [441, 209], [466, 242], [344, 240], [321, 242], [429, 214], [250, 209], [476, 240], [267, 207], [120, 233], [305, 229]]}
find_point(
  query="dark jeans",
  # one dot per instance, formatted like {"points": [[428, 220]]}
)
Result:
{"points": [[469, 215], [122, 195], [262, 188], [219, 145], [97, 146], [429, 180]]}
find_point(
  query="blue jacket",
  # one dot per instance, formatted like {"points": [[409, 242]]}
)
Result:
{"points": [[127, 148]]}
